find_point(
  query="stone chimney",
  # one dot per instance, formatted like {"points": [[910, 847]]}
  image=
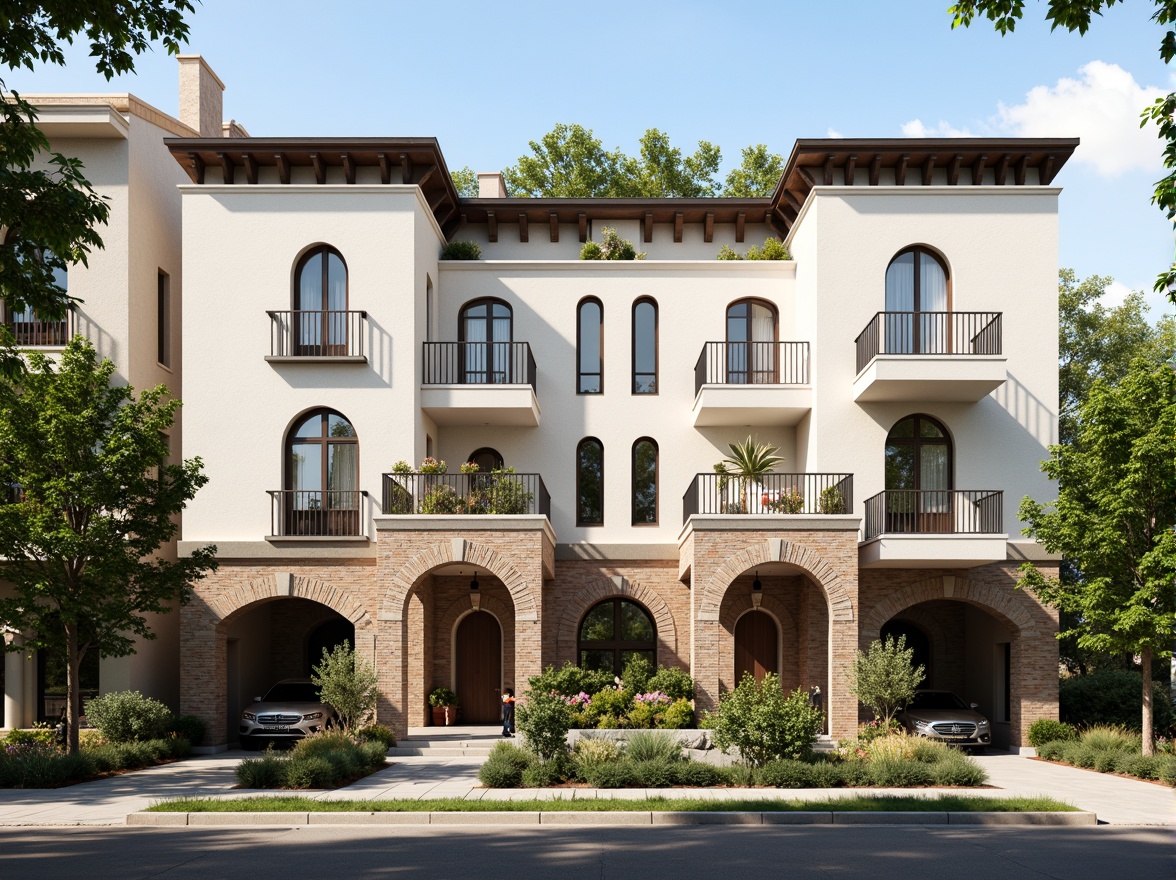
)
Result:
{"points": [[201, 96], [491, 185]]}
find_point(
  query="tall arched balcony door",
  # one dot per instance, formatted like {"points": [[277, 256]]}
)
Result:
{"points": [[918, 476], [486, 328], [322, 476], [918, 303], [751, 343], [320, 304]]}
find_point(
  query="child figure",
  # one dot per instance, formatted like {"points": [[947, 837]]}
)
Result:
{"points": [[508, 710]]}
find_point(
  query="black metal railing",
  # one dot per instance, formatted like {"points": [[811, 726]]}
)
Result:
{"points": [[478, 363], [768, 493], [467, 494], [317, 333], [319, 513], [929, 333], [30, 332], [935, 512], [752, 363]]}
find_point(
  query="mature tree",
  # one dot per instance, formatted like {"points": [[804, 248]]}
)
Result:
{"points": [[662, 172], [568, 162], [346, 683], [47, 207], [465, 180], [1076, 15], [758, 174], [884, 678], [92, 500], [1113, 521]]}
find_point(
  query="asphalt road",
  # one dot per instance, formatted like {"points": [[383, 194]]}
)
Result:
{"points": [[710, 852]]}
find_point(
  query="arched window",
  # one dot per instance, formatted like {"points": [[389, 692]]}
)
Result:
{"points": [[322, 476], [486, 459], [590, 482], [751, 343], [918, 300], [615, 631], [589, 346], [644, 482], [486, 328], [918, 476], [320, 303], [645, 346]]}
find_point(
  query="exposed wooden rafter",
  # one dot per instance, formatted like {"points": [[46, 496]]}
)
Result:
{"points": [[1045, 171], [807, 175], [1022, 164], [492, 227], [438, 198], [929, 169], [283, 164], [791, 199], [678, 220], [875, 168], [900, 168], [740, 226], [829, 170], [647, 228], [320, 167], [405, 168], [227, 167], [978, 169], [553, 222], [847, 173], [953, 169], [524, 231], [250, 168], [385, 168], [426, 176], [197, 167], [708, 227], [582, 219], [348, 168], [1002, 169]]}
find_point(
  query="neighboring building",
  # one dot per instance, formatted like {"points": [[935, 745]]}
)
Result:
{"points": [[904, 362], [129, 308]]}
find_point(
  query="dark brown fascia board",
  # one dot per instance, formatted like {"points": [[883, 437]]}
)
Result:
{"points": [[661, 210]]}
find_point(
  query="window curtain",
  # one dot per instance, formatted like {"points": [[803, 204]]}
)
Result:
{"points": [[500, 335], [336, 300], [933, 478], [898, 332], [763, 346], [342, 474], [934, 337], [310, 299], [475, 353]]}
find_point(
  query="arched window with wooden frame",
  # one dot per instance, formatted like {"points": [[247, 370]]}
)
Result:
{"points": [[613, 632], [645, 482], [590, 482], [752, 343], [322, 476], [485, 330], [487, 459], [645, 346], [918, 302], [320, 303], [590, 346], [918, 476]]}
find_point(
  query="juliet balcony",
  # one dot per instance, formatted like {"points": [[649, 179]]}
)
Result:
{"points": [[479, 383], [929, 356], [807, 494], [957, 528], [301, 514], [752, 383], [320, 337], [493, 494]]}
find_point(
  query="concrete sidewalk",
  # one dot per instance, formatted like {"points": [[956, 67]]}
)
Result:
{"points": [[1115, 800]]}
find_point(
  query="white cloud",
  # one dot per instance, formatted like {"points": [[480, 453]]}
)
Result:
{"points": [[1101, 107], [1157, 302], [833, 133]]}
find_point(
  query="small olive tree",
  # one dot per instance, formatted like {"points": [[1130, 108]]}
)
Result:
{"points": [[764, 723], [346, 683], [885, 677], [544, 720]]}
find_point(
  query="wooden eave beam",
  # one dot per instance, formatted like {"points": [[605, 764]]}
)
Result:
{"points": [[197, 167], [792, 200], [582, 218], [740, 226], [320, 167], [283, 163], [442, 219], [849, 169], [708, 227], [227, 167], [553, 226], [405, 168], [348, 168], [678, 220], [647, 228], [385, 167], [978, 169], [900, 169], [1046, 171], [807, 175], [492, 227], [428, 173], [1002, 169], [1019, 169], [438, 200], [875, 168], [524, 230], [953, 169], [828, 178], [928, 169], [250, 167]]}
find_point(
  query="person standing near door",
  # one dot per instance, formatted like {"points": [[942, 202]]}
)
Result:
{"points": [[508, 710]]}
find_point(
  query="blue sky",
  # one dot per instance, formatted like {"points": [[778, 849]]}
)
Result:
{"points": [[486, 78]]}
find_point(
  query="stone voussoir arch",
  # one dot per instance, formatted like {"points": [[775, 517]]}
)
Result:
{"points": [[1001, 603], [459, 608], [458, 550], [610, 588], [777, 550], [283, 586]]}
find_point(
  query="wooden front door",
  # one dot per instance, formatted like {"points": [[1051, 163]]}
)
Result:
{"points": [[756, 646], [479, 668]]}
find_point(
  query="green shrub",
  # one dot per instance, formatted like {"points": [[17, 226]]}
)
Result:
{"points": [[726, 252], [189, 727], [1045, 730], [673, 682], [264, 772], [787, 774], [1113, 697], [461, 250], [377, 733], [1080, 755], [309, 772], [932, 751], [698, 773], [896, 773], [739, 774], [773, 249], [832, 501], [655, 774], [540, 774], [616, 775], [857, 774], [1052, 750], [1111, 738], [956, 768], [504, 767], [653, 746], [43, 735], [638, 672], [1167, 770], [346, 683], [570, 680], [36, 765], [375, 753], [677, 716], [613, 247], [544, 719], [320, 744], [589, 752], [1104, 762], [1141, 766], [763, 723], [609, 704], [126, 716], [643, 715], [827, 774]]}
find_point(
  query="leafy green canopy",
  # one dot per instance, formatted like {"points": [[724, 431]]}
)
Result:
{"points": [[47, 205], [1114, 521], [1077, 15], [884, 678], [346, 683], [89, 499]]}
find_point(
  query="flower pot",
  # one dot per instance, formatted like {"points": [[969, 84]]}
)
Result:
{"points": [[438, 716]]}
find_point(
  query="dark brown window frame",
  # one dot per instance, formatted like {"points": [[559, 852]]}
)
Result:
{"points": [[921, 250], [488, 450], [163, 319], [616, 645], [646, 300], [750, 300], [918, 442], [579, 473], [579, 342], [483, 301], [327, 330], [323, 249], [323, 412], [656, 482]]}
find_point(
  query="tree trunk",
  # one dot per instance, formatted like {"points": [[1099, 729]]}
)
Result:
{"points": [[1149, 740], [73, 688]]}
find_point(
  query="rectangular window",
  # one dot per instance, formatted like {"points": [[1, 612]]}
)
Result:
{"points": [[163, 319]]}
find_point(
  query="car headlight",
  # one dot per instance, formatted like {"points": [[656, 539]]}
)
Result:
{"points": [[248, 716], [313, 716], [983, 722], [922, 725]]}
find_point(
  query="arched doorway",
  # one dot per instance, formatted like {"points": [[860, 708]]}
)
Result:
{"points": [[918, 477], [757, 645], [477, 676], [751, 343]]}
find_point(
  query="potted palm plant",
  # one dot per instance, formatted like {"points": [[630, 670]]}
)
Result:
{"points": [[748, 462], [444, 704]]}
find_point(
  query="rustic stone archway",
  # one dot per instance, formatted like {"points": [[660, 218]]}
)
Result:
{"points": [[608, 588], [733, 609], [283, 585], [1001, 604], [446, 626]]}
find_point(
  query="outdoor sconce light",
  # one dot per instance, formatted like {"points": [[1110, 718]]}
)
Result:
{"points": [[757, 595], [474, 583]]}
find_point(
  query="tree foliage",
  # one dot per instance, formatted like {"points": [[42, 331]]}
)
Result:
{"points": [[757, 175], [1113, 521], [46, 204], [1077, 15], [89, 499], [465, 180], [764, 723], [884, 678], [346, 683]]}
